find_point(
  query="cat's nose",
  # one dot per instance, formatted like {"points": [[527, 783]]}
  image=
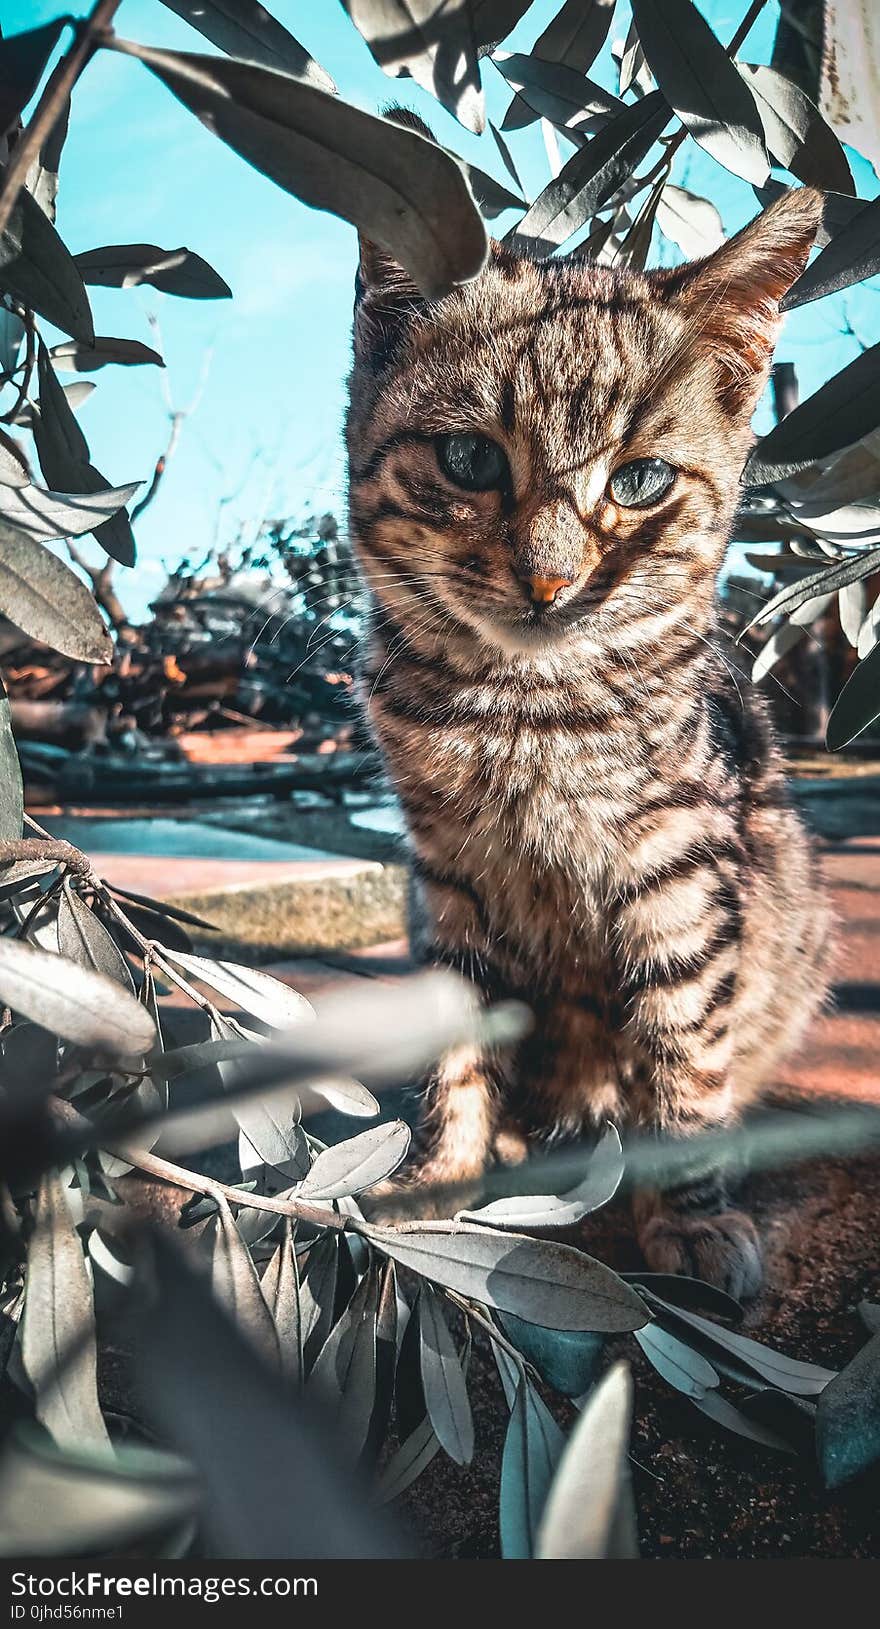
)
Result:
{"points": [[543, 590]]}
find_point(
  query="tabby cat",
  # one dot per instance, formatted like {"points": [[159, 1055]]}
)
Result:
{"points": [[544, 469]]}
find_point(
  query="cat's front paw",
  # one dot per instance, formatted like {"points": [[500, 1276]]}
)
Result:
{"points": [[723, 1250]]}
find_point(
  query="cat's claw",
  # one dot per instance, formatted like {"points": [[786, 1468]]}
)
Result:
{"points": [[723, 1250]]}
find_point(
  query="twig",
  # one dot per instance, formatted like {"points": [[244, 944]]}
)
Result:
{"points": [[56, 850], [178, 1177], [51, 104]]}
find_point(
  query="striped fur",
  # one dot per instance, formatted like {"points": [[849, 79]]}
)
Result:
{"points": [[598, 819]]}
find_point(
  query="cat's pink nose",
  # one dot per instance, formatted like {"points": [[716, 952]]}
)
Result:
{"points": [[543, 590]]}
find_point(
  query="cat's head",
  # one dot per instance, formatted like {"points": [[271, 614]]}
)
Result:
{"points": [[557, 446]]}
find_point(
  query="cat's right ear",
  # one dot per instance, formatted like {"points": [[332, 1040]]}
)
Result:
{"points": [[385, 301], [385, 296]]}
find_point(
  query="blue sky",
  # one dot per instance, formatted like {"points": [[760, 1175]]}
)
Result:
{"points": [[271, 363]]}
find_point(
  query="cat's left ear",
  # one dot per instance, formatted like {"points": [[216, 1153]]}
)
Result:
{"points": [[732, 297], [385, 296]]}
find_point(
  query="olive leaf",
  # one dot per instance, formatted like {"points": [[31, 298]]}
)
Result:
{"points": [[588, 1515], [598, 1186], [723, 1412], [392, 183], [781, 641], [89, 1502], [245, 29], [11, 790], [58, 1345], [359, 1162], [23, 58], [788, 1374], [858, 704], [430, 41], [84, 938], [317, 1295], [852, 255], [493, 20], [492, 197], [543, 1282], [553, 92], [47, 515], [565, 1359], [443, 1381], [173, 271], [702, 84], [47, 601], [413, 1456], [344, 1373], [280, 1287], [37, 269], [533, 1446], [680, 1365], [42, 176], [843, 410], [593, 173], [827, 580], [73, 1002], [796, 134], [64, 459], [692, 223], [190, 1362], [269, 1126], [72, 357], [576, 35], [236, 1286], [259, 994]]}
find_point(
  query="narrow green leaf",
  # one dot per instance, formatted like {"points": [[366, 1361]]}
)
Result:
{"points": [[680, 1365], [589, 1512], [64, 459], [11, 791], [84, 938], [259, 994], [533, 1448], [23, 58], [702, 84], [445, 1387], [430, 41], [58, 1344], [73, 1002], [359, 1162], [576, 34], [852, 255], [38, 270], [843, 410], [245, 29], [90, 1502], [48, 602], [71, 357], [591, 175], [396, 186], [173, 271], [344, 1373], [536, 1279], [236, 1286], [858, 704], [280, 1286], [796, 134]]}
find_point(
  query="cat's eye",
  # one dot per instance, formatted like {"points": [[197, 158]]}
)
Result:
{"points": [[472, 461], [642, 482]]}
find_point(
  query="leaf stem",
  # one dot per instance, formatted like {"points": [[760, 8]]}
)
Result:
{"points": [[51, 104]]}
